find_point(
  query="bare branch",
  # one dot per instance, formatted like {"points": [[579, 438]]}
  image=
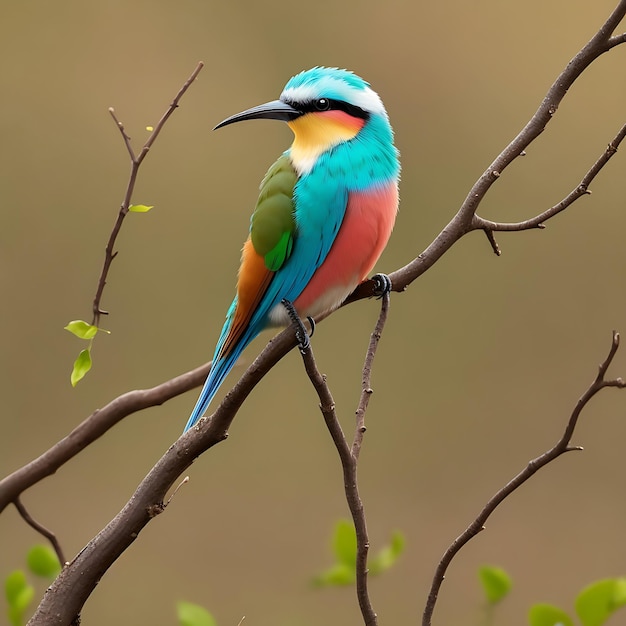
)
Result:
{"points": [[561, 446], [68, 593], [350, 456], [349, 467], [136, 162], [580, 190], [366, 388], [94, 427], [41, 529]]}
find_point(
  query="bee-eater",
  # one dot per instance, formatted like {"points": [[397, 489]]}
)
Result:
{"points": [[325, 211]]}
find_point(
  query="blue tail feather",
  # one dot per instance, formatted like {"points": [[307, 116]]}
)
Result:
{"points": [[221, 367]]}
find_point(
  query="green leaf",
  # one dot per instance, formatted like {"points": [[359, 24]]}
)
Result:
{"points": [[598, 601], [190, 614], [81, 366], [14, 584], [339, 575], [140, 208], [344, 543], [388, 555], [43, 561], [81, 329], [19, 595], [548, 615], [495, 581], [619, 592]]}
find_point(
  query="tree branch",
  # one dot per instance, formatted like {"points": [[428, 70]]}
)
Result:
{"points": [[135, 162], [580, 190], [40, 528], [350, 456], [68, 593], [93, 427], [561, 446]]}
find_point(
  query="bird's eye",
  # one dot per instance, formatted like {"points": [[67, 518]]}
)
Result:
{"points": [[322, 104]]}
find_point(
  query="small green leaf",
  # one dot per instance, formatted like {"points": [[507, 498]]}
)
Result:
{"points": [[81, 329], [81, 366], [140, 208], [619, 593], [339, 575], [43, 561], [190, 614], [14, 584], [388, 555], [495, 581], [344, 543], [598, 601], [19, 595], [548, 615]]}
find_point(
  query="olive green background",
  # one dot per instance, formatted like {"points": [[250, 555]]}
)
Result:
{"points": [[480, 365]]}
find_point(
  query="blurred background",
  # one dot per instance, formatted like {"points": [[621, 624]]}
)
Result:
{"points": [[482, 359]]}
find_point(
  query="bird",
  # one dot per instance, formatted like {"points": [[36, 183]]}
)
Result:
{"points": [[324, 214]]}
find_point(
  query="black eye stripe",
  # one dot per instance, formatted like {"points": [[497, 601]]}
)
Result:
{"points": [[313, 106]]}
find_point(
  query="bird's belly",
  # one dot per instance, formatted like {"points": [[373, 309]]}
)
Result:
{"points": [[328, 301], [364, 232]]}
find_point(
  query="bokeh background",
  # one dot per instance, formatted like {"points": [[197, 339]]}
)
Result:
{"points": [[482, 359]]}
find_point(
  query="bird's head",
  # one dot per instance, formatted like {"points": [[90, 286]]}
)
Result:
{"points": [[323, 107]]}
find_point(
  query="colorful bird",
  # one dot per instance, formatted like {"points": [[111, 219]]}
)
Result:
{"points": [[325, 212]]}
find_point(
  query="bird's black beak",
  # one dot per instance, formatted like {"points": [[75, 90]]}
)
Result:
{"points": [[275, 110]]}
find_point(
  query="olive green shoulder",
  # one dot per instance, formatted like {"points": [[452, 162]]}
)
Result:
{"points": [[272, 226]]}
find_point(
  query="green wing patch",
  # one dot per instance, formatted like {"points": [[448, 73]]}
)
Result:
{"points": [[273, 225]]}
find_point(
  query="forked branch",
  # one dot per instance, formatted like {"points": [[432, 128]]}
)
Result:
{"points": [[561, 447], [349, 456], [135, 164]]}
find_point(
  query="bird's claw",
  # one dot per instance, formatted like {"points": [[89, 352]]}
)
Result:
{"points": [[302, 337], [382, 285]]}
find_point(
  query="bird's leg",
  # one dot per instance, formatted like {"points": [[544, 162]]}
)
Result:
{"points": [[301, 335], [382, 285]]}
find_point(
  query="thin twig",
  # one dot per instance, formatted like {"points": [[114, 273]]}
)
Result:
{"points": [[92, 428], [580, 190], [135, 161], [41, 529], [349, 456], [349, 467], [366, 387], [561, 447]]}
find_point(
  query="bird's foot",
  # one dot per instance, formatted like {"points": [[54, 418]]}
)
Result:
{"points": [[382, 285], [301, 335]]}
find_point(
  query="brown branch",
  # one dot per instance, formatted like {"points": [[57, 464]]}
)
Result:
{"points": [[136, 161], [68, 593], [366, 389], [93, 427], [561, 447], [580, 190], [41, 529], [351, 488], [350, 456]]}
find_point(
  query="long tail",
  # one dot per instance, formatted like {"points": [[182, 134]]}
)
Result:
{"points": [[221, 367]]}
